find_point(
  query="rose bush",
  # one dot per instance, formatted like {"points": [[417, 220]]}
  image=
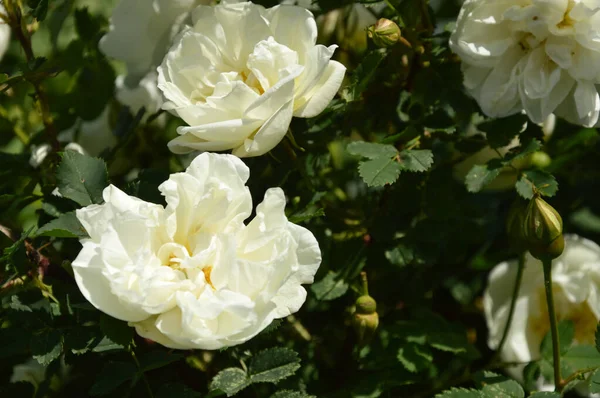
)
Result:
{"points": [[395, 153]]}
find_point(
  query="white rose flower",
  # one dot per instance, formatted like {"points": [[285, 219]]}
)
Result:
{"points": [[241, 72], [141, 31], [576, 287], [4, 34], [539, 55], [193, 275]]}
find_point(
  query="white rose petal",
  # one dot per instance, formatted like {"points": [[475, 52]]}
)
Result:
{"points": [[576, 287], [141, 31], [143, 95], [193, 275], [539, 56], [241, 72], [4, 34]]}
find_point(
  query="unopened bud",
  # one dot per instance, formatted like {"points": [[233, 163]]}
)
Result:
{"points": [[365, 320], [543, 230], [541, 160], [384, 33]]}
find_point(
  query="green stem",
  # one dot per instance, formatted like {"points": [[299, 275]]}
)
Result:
{"points": [[547, 265], [365, 283], [142, 375], [513, 302], [575, 376]]}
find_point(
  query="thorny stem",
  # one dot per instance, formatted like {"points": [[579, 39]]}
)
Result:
{"points": [[513, 303], [16, 22], [558, 382]]}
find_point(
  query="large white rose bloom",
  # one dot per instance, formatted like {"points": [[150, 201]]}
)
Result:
{"points": [[193, 275], [576, 287], [539, 55], [240, 73]]}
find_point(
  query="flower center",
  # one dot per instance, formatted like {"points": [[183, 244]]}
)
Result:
{"points": [[207, 271], [567, 22], [584, 320]]}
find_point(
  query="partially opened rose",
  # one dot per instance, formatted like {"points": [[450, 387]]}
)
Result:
{"points": [[240, 73], [193, 275]]}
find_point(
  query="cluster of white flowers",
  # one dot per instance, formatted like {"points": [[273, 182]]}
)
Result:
{"points": [[542, 56], [576, 287], [193, 275]]}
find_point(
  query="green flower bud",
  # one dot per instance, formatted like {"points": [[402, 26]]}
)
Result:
{"points": [[384, 33], [540, 160], [365, 320], [543, 229], [366, 305]]}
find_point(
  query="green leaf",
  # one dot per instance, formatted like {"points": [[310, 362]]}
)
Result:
{"points": [[494, 385], [46, 346], [230, 381], [401, 255], [39, 8], [65, 226], [481, 175], [82, 178], [532, 181], [273, 364], [291, 394], [158, 359], [566, 334], [330, 287], [595, 382], [582, 357], [116, 330], [460, 393], [371, 150], [87, 28], [415, 358], [416, 160], [176, 390], [531, 374], [111, 377], [500, 132], [379, 172], [14, 258], [545, 394], [362, 75]]}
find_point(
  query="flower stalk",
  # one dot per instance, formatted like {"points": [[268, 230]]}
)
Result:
{"points": [[513, 303], [547, 265]]}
